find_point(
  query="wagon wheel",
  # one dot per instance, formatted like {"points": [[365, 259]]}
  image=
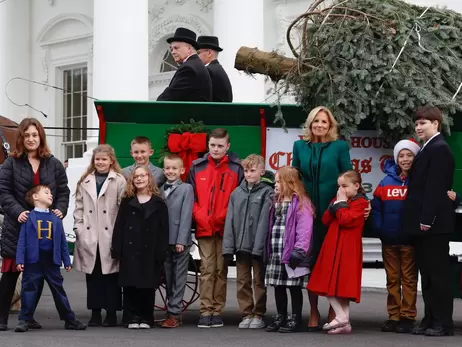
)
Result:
{"points": [[191, 293]]}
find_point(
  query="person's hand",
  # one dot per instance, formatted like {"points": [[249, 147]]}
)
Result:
{"points": [[58, 213], [22, 218], [341, 195], [20, 267], [179, 248], [452, 195], [68, 268], [424, 227], [367, 211]]}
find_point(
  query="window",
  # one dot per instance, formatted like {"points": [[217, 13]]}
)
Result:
{"points": [[75, 112], [168, 63]]}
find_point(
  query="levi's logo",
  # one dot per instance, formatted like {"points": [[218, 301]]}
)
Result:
{"points": [[395, 193]]}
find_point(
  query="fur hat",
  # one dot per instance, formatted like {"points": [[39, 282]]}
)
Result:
{"points": [[409, 144]]}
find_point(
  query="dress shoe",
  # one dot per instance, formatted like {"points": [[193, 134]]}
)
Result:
{"points": [[438, 330]]}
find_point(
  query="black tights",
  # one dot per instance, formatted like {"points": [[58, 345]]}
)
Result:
{"points": [[296, 295]]}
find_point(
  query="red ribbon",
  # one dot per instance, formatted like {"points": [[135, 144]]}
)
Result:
{"points": [[187, 146]]}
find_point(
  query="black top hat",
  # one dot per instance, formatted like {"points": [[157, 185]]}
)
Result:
{"points": [[184, 35], [209, 42]]}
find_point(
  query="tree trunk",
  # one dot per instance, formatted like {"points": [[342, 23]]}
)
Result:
{"points": [[271, 64]]}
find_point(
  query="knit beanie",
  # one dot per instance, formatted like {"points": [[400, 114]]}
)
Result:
{"points": [[409, 144]]}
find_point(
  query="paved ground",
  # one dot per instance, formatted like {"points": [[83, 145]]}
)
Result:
{"points": [[366, 319]]}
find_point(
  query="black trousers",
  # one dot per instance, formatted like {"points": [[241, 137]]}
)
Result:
{"points": [[138, 305], [433, 261], [296, 295], [103, 291]]}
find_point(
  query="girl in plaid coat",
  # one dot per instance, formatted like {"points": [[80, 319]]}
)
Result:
{"points": [[288, 244]]}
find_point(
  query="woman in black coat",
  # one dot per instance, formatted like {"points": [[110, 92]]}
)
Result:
{"points": [[30, 164], [139, 242]]}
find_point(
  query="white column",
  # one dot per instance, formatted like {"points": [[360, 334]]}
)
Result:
{"points": [[14, 57], [249, 32], [120, 53]]}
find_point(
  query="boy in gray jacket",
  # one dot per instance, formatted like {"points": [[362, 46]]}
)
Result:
{"points": [[179, 197], [245, 229]]}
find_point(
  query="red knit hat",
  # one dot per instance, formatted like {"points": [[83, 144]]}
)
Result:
{"points": [[409, 144]]}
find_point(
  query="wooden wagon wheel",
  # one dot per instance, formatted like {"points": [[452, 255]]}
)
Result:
{"points": [[191, 293]]}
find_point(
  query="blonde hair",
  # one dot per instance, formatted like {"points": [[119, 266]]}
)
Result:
{"points": [[355, 178], [107, 149], [290, 182], [332, 134], [152, 189], [253, 160]]}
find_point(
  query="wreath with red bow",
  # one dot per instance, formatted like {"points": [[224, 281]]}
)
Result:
{"points": [[187, 140]]}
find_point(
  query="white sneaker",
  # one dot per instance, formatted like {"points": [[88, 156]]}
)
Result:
{"points": [[245, 323], [133, 326], [145, 326], [257, 323]]}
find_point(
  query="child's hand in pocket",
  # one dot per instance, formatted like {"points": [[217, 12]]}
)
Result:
{"points": [[452, 195]]}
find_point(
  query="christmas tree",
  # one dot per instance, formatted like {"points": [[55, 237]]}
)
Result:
{"points": [[370, 60]]}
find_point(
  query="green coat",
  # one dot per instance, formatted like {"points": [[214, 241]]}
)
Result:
{"points": [[320, 165]]}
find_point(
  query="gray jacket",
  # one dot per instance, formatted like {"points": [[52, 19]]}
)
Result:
{"points": [[157, 173], [247, 219], [180, 203]]}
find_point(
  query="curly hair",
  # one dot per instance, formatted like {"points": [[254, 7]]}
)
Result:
{"points": [[152, 189]]}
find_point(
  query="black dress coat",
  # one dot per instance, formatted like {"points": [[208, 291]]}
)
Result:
{"points": [[140, 241], [222, 91], [191, 82], [16, 178], [427, 202]]}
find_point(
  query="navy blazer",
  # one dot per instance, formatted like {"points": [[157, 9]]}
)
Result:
{"points": [[27, 251]]}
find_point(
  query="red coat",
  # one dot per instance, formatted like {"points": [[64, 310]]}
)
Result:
{"points": [[213, 184], [338, 268]]}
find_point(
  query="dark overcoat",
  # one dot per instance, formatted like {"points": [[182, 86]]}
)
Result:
{"points": [[222, 91], [140, 241], [191, 82]]}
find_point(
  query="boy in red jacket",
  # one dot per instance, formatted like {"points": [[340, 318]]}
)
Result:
{"points": [[213, 177]]}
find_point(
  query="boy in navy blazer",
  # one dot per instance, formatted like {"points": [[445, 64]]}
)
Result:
{"points": [[180, 201], [42, 248]]}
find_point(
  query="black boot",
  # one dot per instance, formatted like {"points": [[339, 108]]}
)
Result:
{"points": [[95, 320], [111, 319], [293, 324], [278, 322]]}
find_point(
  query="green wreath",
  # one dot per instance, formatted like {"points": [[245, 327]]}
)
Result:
{"points": [[192, 127]]}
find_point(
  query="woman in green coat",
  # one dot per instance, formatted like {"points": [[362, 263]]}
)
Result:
{"points": [[320, 157]]}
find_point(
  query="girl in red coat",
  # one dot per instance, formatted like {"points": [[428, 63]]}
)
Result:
{"points": [[338, 270]]}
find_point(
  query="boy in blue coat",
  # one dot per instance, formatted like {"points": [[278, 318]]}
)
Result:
{"points": [[42, 248], [397, 251]]}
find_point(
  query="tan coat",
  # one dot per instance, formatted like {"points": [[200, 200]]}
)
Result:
{"points": [[94, 218]]}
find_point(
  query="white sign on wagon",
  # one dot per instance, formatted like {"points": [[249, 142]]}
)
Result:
{"points": [[367, 152]]}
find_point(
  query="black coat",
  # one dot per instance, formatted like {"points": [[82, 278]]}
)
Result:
{"points": [[16, 178], [191, 82], [427, 202], [222, 91], [140, 241]]}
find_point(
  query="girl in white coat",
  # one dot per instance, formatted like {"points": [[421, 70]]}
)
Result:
{"points": [[97, 201]]}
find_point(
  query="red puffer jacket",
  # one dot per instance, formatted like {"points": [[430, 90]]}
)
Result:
{"points": [[213, 184]]}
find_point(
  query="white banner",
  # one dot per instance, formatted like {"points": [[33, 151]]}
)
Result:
{"points": [[367, 152]]}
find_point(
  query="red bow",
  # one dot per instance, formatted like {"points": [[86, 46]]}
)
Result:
{"points": [[187, 146]]}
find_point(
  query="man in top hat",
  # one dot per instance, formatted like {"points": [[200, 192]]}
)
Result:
{"points": [[191, 81], [222, 90]]}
